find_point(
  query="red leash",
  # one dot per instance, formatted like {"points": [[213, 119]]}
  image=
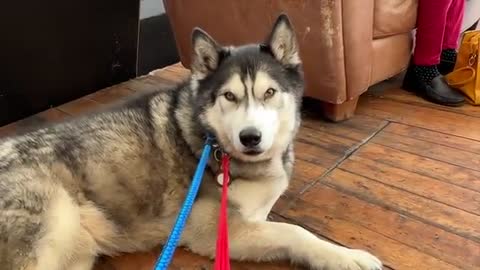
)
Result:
{"points": [[222, 256]]}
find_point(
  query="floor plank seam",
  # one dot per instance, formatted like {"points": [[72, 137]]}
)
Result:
{"points": [[398, 210], [425, 175], [431, 158], [409, 192], [323, 147], [69, 114], [433, 130], [428, 106], [389, 119], [440, 144], [347, 154], [98, 107], [326, 131]]}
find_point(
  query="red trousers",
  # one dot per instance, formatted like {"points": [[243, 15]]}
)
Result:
{"points": [[439, 24]]}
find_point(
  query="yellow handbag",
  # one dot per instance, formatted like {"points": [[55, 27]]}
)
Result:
{"points": [[465, 76]]}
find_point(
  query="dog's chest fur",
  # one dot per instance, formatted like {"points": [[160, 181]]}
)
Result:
{"points": [[255, 197]]}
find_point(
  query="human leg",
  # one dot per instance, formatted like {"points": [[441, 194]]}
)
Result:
{"points": [[451, 36], [423, 75]]}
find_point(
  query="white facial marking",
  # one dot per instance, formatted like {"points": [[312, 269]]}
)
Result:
{"points": [[234, 85], [221, 114], [274, 117], [259, 114]]}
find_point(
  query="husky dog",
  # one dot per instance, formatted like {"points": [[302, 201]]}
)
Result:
{"points": [[113, 181]]}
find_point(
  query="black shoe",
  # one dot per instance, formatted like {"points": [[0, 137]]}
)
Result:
{"points": [[436, 91], [447, 61]]}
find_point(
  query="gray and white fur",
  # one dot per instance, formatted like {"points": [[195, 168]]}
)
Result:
{"points": [[113, 181]]}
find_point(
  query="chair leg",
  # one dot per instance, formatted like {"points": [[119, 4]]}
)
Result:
{"points": [[340, 112]]}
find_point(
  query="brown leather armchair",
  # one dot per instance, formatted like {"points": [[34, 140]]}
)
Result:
{"points": [[346, 45]]}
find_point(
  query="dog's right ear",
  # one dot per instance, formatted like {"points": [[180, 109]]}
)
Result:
{"points": [[206, 54]]}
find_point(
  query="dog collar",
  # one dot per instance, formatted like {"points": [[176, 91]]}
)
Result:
{"points": [[218, 155]]}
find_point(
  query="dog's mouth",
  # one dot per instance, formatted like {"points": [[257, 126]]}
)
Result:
{"points": [[252, 152]]}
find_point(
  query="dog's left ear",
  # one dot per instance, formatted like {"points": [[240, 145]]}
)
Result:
{"points": [[283, 42], [206, 54]]}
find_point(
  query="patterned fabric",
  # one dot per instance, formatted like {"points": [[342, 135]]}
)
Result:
{"points": [[449, 55], [426, 73]]}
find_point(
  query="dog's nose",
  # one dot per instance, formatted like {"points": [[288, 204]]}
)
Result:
{"points": [[250, 137]]}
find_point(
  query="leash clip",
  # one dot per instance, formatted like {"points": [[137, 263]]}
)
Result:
{"points": [[217, 153]]}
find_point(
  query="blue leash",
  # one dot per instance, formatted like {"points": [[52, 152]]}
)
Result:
{"points": [[172, 241]]}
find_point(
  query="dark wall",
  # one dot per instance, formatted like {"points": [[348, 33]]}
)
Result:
{"points": [[157, 47], [54, 51]]}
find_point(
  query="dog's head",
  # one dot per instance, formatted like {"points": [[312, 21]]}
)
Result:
{"points": [[249, 96]]}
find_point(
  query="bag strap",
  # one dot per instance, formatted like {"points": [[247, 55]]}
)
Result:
{"points": [[464, 82]]}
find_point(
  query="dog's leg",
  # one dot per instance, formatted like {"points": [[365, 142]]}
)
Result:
{"points": [[64, 244], [83, 263], [84, 257], [267, 241]]}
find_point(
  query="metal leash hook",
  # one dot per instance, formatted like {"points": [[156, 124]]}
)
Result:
{"points": [[217, 154]]}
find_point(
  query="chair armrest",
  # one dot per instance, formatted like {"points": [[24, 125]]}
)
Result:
{"points": [[357, 24]]}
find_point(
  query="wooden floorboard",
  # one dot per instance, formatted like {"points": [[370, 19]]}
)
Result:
{"points": [[110, 94], [396, 238], [79, 106], [446, 154], [404, 97], [401, 179], [429, 118], [421, 185], [446, 172], [435, 137], [438, 214]]}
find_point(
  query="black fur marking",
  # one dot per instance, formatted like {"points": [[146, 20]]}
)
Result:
{"points": [[146, 110], [177, 132], [245, 90], [28, 149], [222, 55], [264, 48], [68, 150]]}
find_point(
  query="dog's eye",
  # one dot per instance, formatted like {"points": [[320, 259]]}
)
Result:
{"points": [[269, 93], [230, 96]]}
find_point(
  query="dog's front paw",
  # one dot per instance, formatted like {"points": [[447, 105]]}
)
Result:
{"points": [[349, 259], [364, 260], [355, 259]]}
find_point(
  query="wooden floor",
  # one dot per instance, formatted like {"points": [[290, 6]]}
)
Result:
{"points": [[401, 179]]}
